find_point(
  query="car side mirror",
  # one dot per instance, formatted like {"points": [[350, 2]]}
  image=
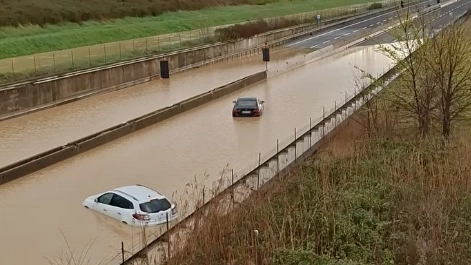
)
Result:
{"points": [[234, 102], [95, 200], [262, 101]]}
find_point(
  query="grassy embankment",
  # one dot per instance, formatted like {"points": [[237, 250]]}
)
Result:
{"points": [[379, 193], [30, 27], [52, 49]]}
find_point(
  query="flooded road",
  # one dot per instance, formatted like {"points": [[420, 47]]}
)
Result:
{"points": [[31, 134], [197, 144]]}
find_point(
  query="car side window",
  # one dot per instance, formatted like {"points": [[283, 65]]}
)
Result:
{"points": [[121, 202], [105, 198]]}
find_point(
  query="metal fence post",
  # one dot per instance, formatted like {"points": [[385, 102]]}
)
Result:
{"points": [[120, 53], [72, 56], [13, 69], [232, 187], [295, 146], [168, 238], [133, 49], [122, 251], [104, 51], [204, 187], [323, 122], [277, 157], [259, 169], [54, 61], [310, 132], [335, 114], [35, 68], [89, 57]]}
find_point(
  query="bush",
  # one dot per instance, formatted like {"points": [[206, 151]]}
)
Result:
{"points": [[375, 6], [248, 30]]}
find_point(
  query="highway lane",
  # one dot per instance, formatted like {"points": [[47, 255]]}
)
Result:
{"points": [[31, 134], [167, 156], [435, 21], [338, 34], [60, 125]]}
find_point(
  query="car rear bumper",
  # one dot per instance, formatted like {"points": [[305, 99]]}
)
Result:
{"points": [[246, 115], [154, 222]]}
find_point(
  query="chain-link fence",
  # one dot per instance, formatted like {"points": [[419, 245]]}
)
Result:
{"points": [[20, 68]]}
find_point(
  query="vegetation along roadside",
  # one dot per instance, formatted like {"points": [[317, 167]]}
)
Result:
{"points": [[393, 187]]}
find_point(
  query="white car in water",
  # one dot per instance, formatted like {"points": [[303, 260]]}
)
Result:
{"points": [[135, 205]]}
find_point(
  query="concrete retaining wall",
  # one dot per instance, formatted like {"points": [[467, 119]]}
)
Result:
{"points": [[61, 153], [26, 97]]}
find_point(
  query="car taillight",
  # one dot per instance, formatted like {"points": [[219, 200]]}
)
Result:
{"points": [[141, 217], [235, 110], [256, 111]]}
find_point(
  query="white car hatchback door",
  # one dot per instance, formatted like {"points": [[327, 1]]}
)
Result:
{"points": [[122, 209]]}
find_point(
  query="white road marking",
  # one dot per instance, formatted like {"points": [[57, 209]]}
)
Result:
{"points": [[345, 27], [326, 41]]}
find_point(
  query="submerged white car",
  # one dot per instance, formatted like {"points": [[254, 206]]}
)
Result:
{"points": [[133, 205]]}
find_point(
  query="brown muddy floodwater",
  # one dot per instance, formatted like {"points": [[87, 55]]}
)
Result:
{"points": [[31, 134], [166, 156]]}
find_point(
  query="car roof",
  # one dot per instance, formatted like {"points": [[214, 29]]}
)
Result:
{"points": [[247, 98], [139, 193]]}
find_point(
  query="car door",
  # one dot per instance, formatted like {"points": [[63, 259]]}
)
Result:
{"points": [[122, 208], [102, 204]]}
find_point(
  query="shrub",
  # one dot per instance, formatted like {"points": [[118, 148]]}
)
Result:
{"points": [[375, 6]]}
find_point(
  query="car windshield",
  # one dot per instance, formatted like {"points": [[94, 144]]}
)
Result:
{"points": [[246, 103], [155, 206]]}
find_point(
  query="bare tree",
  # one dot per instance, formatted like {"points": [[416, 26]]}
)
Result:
{"points": [[415, 95], [449, 64]]}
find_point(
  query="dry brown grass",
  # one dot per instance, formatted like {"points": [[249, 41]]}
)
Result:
{"points": [[377, 201]]}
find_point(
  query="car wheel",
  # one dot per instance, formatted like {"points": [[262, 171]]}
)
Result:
{"points": [[86, 207], [124, 222]]}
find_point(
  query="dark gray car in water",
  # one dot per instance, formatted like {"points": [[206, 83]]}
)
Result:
{"points": [[247, 107]]}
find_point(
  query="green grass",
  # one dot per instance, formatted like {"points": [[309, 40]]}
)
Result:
{"points": [[26, 40]]}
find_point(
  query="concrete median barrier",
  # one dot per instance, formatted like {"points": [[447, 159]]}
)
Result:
{"points": [[58, 154]]}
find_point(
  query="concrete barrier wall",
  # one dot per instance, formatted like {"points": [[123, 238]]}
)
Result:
{"points": [[19, 99], [61, 153]]}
